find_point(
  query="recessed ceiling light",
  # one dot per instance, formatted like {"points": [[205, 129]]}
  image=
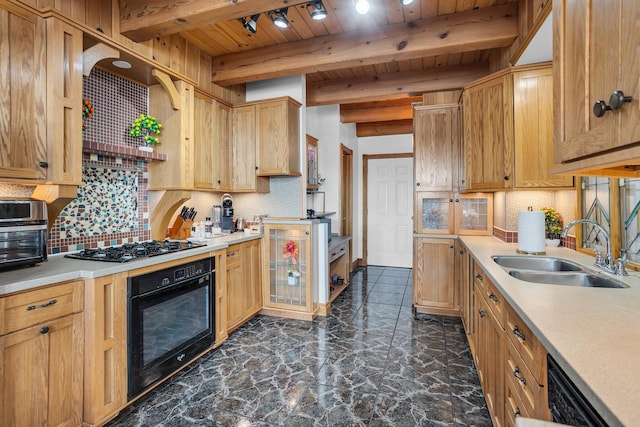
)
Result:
{"points": [[406, 2], [121, 64], [279, 17], [362, 6]]}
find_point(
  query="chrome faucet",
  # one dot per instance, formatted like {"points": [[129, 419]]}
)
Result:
{"points": [[607, 264]]}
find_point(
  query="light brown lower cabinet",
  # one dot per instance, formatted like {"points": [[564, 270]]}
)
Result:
{"points": [[434, 276], [244, 290], [510, 360], [41, 351]]}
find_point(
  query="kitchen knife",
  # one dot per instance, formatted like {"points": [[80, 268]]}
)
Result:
{"points": [[183, 212]]}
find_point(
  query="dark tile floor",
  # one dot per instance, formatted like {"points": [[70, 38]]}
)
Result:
{"points": [[370, 362]]}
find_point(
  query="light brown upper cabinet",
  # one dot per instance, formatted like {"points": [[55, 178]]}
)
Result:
{"points": [[436, 131], [40, 103], [508, 131], [278, 137], [212, 142], [243, 131], [597, 66]]}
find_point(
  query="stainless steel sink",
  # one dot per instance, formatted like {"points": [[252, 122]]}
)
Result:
{"points": [[567, 278], [538, 263]]}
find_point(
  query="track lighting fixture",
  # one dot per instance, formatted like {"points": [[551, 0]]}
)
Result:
{"points": [[250, 24], [279, 17], [406, 2], [316, 10], [362, 6]]}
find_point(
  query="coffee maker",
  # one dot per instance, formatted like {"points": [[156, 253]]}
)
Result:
{"points": [[227, 213]]}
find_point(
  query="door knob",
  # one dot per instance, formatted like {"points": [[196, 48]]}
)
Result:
{"points": [[600, 108], [617, 99]]}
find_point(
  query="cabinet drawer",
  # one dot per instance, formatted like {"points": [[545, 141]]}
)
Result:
{"points": [[41, 305], [233, 256], [513, 406], [479, 276], [337, 252], [495, 301], [520, 381], [526, 344]]}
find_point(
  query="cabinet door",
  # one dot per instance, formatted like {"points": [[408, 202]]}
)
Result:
{"points": [[533, 130], [474, 214], [23, 131], [235, 287], [434, 213], [41, 375], [253, 278], [244, 148], [222, 165], [433, 275], [488, 135], [589, 68], [205, 174], [435, 138], [277, 134], [287, 277]]}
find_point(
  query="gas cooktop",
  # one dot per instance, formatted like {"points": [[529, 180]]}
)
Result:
{"points": [[131, 251]]}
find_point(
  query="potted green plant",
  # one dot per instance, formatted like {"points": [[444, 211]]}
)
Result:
{"points": [[143, 127], [552, 226]]}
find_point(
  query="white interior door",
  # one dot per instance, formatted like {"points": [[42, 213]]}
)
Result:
{"points": [[389, 212]]}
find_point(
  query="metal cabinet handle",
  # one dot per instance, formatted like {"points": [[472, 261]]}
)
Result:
{"points": [[600, 108], [479, 277], [618, 99], [482, 313], [44, 329], [43, 164], [46, 304], [518, 333], [231, 254], [492, 297], [461, 251], [516, 373], [516, 413]]}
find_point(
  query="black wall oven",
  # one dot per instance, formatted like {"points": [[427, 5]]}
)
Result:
{"points": [[170, 320]]}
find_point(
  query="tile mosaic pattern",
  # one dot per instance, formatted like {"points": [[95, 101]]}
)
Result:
{"points": [[106, 204], [370, 362], [117, 103]]}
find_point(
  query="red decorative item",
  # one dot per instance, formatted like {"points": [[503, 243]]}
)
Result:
{"points": [[87, 112], [291, 251]]}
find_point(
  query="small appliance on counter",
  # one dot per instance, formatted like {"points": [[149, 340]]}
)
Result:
{"points": [[227, 213], [23, 232], [217, 216]]}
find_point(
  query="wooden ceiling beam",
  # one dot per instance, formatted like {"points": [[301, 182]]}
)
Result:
{"points": [[377, 111], [479, 29], [141, 20], [393, 85], [395, 127]]}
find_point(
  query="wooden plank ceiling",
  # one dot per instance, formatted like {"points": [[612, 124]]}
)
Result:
{"points": [[378, 62]]}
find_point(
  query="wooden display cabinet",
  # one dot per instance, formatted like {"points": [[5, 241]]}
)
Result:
{"points": [[448, 213], [288, 285]]}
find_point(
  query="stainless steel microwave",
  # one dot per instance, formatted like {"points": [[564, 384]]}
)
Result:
{"points": [[23, 232]]}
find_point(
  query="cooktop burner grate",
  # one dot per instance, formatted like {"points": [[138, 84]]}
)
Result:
{"points": [[131, 251]]}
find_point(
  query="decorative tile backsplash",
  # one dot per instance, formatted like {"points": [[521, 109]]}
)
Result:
{"points": [[106, 204]]}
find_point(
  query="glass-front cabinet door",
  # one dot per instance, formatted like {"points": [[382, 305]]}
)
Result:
{"points": [[287, 281], [474, 214], [434, 213], [450, 213]]}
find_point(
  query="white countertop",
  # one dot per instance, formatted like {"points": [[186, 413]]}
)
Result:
{"points": [[593, 333], [59, 269]]}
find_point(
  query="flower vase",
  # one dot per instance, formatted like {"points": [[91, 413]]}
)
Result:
{"points": [[552, 243], [292, 280]]}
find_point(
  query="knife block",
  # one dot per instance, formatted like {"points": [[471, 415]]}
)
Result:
{"points": [[180, 229]]}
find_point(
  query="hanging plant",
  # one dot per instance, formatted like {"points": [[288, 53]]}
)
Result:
{"points": [[87, 112], [143, 126]]}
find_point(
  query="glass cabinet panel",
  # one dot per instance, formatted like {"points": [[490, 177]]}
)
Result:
{"points": [[474, 214], [435, 213], [289, 264]]}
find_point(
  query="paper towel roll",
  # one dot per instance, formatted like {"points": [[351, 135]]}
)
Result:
{"points": [[531, 232]]}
